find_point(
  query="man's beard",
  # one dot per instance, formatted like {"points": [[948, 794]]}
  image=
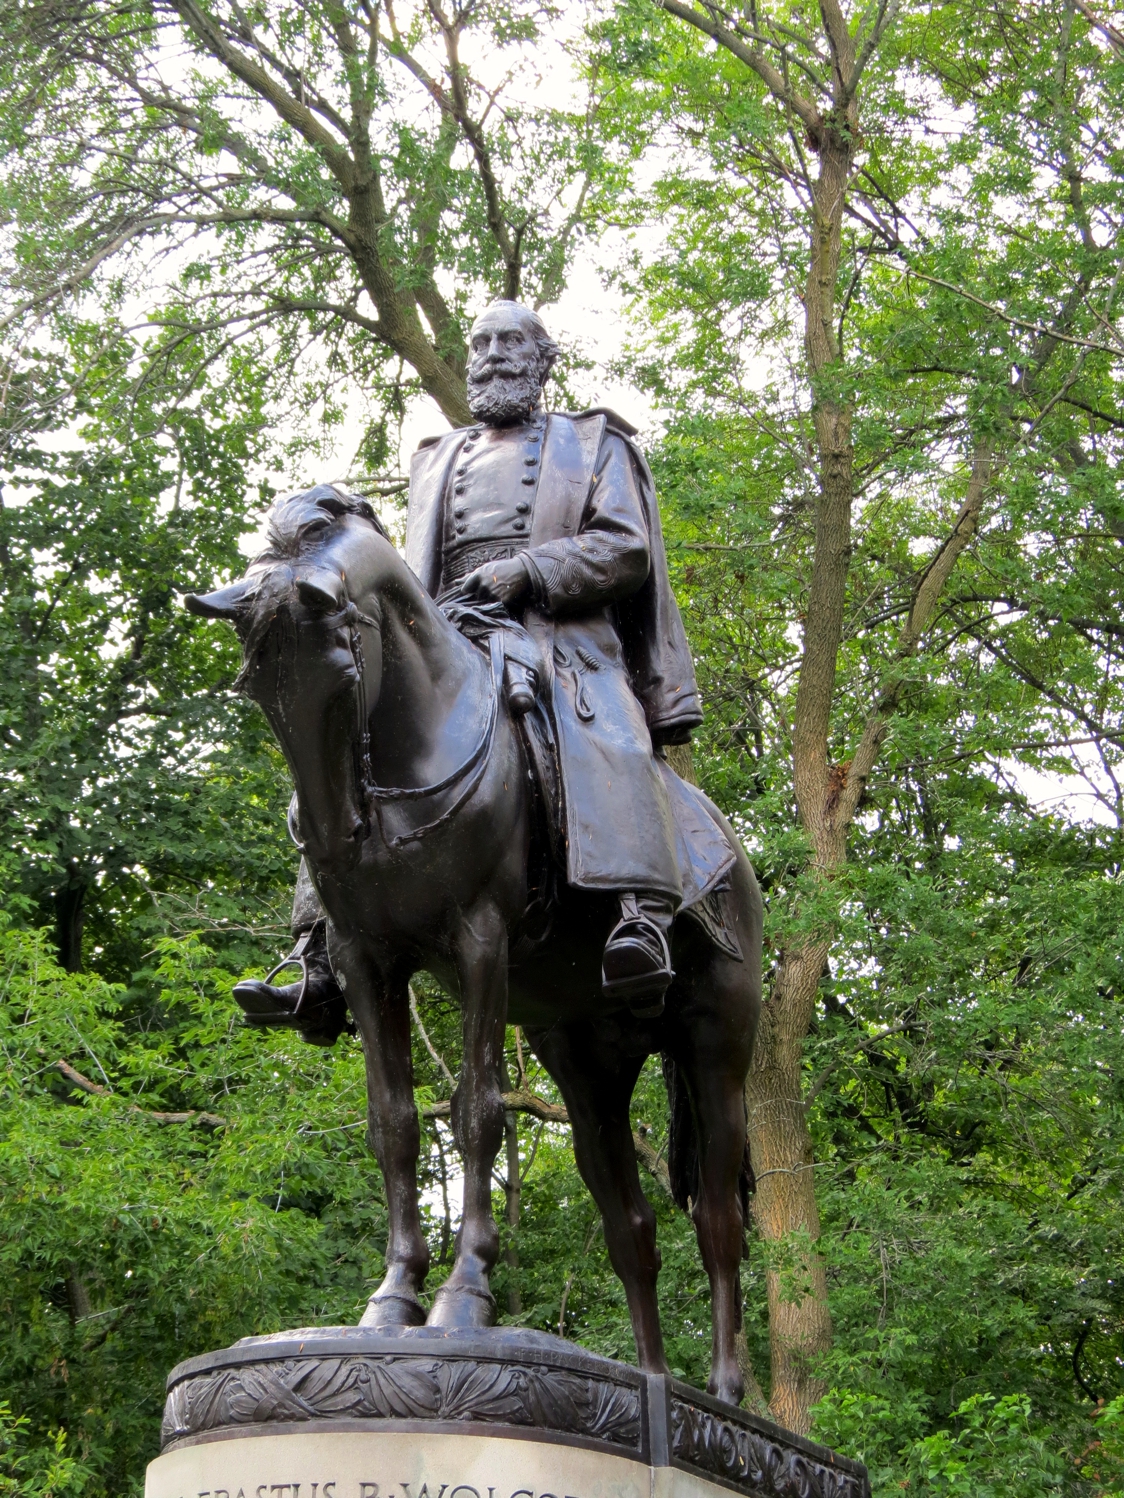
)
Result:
{"points": [[500, 399]]}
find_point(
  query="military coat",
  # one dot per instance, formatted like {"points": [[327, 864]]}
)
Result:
{"points": [[574, 497]]}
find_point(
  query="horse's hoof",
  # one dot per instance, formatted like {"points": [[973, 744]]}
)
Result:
{"points": [[462, 1306], [392, 1312], [729, 1390]]}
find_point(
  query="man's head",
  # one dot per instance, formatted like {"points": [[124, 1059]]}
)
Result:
{"points": [[511, 355]]}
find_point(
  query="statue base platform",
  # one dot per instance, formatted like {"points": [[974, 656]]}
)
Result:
{"points": [[346, 1412]]}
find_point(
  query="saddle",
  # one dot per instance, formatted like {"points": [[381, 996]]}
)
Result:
{"points": [[703, 852]]}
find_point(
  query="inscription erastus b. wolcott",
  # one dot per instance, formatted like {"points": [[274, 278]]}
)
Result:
{"points": [[334, 1488]]}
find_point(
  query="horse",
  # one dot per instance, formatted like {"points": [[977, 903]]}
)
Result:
{"points": [[414, 807]]}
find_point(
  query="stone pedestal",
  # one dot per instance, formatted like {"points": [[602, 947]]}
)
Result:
{"points": [[342, 1412]]}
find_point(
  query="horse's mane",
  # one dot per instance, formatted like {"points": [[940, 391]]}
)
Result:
{"points": [[293, 521]]}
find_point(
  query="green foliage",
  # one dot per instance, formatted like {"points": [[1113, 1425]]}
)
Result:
{"points": [[963, 1075], [994, 1451], [39, 1471], [128, 773], [131, 1240]]}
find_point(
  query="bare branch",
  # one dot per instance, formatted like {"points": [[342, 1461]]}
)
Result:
{"points": [[434, 1053], [525, 1101], [298, 115], [95, 1089]]}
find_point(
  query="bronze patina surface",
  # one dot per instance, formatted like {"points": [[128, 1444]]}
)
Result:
{"points": [[473, 733]]}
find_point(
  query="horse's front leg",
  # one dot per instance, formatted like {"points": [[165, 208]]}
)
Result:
{"points": [[380, 1003], [465, 1299], [597, 1081]]}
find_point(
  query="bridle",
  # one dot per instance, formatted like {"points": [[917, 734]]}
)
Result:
{"points": [[471, 772]]}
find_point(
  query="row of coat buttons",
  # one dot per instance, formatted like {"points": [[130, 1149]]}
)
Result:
{"points": [[531, 461]]}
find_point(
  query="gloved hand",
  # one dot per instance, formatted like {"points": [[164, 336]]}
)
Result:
{"points": [[506, 581]]}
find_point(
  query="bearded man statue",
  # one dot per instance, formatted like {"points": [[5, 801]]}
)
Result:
{"points": [[550, 521]]}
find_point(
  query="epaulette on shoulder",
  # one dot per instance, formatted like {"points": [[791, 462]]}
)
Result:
{"points": [[612, 420]]}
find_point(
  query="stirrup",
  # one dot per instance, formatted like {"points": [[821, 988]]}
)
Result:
{"points": [[298, 957], [640, 932]]}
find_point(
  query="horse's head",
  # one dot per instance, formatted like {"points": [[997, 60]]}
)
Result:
{"points": [[308, 616]]}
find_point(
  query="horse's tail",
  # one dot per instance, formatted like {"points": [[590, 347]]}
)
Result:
{"points": [[683, 1145]]}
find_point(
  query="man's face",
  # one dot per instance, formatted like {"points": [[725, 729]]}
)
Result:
{"points": [[505, 373]]}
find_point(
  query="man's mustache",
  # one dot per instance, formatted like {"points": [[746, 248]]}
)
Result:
{"points": [[480, 374]]}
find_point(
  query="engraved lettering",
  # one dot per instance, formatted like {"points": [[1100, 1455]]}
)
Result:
{"points": [[368, 1490], [461, 1488], [328, 1485]]}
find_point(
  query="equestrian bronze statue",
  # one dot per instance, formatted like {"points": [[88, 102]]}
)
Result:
{"points": [[474, 735]]}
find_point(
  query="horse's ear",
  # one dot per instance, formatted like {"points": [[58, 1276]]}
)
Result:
{"points": [[322, 591], [226, 603]]}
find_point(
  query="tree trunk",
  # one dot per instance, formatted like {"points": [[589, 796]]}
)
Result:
{"points": [[513, 1191], [784, 1207], [680, 759], [784, 1204], [77, 1295], [70, 914]]}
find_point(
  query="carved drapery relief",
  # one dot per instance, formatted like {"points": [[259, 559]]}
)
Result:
{"points": [[404, 1388], [750, 1458]]}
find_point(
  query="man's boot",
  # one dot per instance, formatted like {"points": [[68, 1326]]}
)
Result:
{"points": [[636, 966], [314, 1005]]}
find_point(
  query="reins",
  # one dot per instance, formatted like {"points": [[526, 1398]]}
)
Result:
{"points": [[473, 767]]}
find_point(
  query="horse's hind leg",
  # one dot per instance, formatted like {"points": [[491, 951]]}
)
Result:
{"points": [[465, 1299], [381, 1009], [711, 1040], [597, 1085]]}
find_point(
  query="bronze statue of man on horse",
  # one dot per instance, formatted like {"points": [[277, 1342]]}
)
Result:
{"points": [[554, 517], [474, 740]]}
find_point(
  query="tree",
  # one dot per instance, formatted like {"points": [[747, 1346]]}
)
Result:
{"points": [[340, 176], [955, 1093], [128, 769], [947, 364]]}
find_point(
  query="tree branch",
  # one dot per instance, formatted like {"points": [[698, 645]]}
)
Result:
{"points": [[95, 1089], [298, 115], [773, 80], [522, 1100], [1019, 322], [929, 589]]}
